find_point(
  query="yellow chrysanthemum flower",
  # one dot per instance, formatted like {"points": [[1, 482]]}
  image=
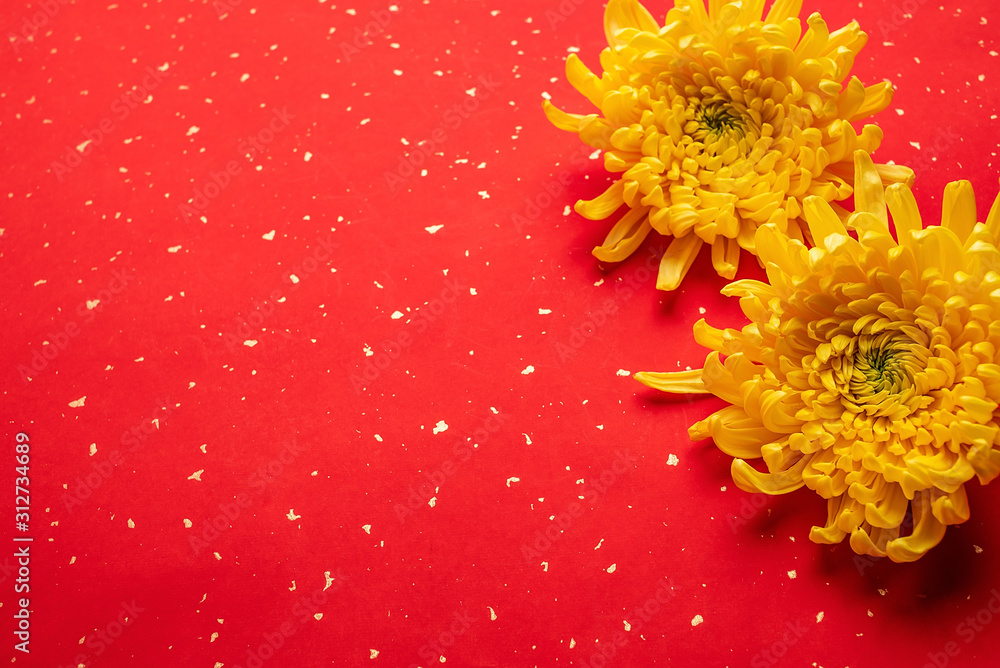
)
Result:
{"points": [[719, 122], [870, 370]]}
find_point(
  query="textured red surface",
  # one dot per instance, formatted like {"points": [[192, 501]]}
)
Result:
{"points": [[312, 457]]}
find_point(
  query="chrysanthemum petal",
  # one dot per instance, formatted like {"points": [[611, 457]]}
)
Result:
{"points": [[674, 382], [927, 532], [585, 81], [993, 220], [726, 257], [959, 209], [677, 260], [737, 434], [604, 204], [750, 479], [869, 193], [783, 9], [877, 98], [903, 206], [627, 234], [896, 174], [561, 119], [824, 223], [621, 14]]}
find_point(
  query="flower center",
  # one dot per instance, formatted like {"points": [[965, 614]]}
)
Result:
{"points": [[881, 372], [719, 119]]}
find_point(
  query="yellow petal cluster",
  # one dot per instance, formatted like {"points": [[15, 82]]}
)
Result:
{"points": [[720, 121], [870, 370]]}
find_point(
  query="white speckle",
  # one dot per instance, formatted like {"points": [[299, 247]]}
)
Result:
{"points": [[93, 449], [599, 544], [398, 73], [698, 619], [432, 501], [819, 616], [196, 475], [701, 310], [527, 439], [512, 479], [92, 304], [484, 194], [244, 77], [572, 643], [293, 278], [83, 145], [40, 281], [318, 616], [472, 291], [440, 427], [433, 228], [545, 567], [628, 627], [78, 403], [672, 460], [269, 236], [131, 524], [623, 373], [792, 575], [308, 156], [291, 514], [250, 343], [544, 311], [192, 130], [601, 427], [528, 369], [173, 249], [373, 654], [367, 528], [915, 144], [982, 77], [396, 315], [188, 523], [368, 351], [978, 549], [612, 568], [493, 614]]}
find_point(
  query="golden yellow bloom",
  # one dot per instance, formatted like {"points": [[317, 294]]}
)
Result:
{"points": [[720, 122], [870, 370]]}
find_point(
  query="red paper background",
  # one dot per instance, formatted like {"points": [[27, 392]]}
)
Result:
{"points": [[179, 296]]}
